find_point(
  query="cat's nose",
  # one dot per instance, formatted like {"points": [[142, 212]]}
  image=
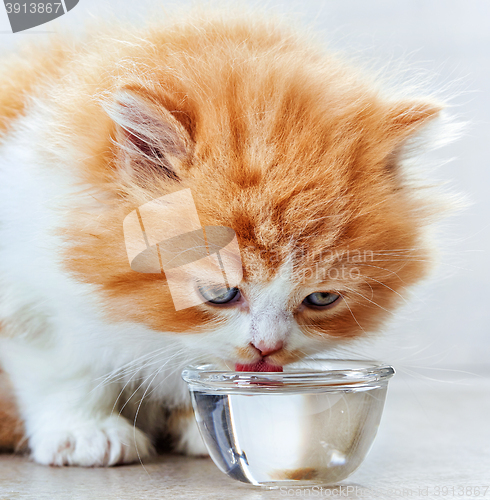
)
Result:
{"points": [[266, 348]]}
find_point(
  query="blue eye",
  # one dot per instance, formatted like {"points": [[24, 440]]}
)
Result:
{"points": [[321, 299], [219, 295]]}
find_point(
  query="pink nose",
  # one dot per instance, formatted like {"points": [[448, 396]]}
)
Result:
{"points": [[267, 348]]}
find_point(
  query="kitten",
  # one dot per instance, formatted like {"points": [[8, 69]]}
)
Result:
{"points": [[296, 152]]}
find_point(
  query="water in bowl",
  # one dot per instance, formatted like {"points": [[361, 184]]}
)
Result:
{"points": [[289, 439]]}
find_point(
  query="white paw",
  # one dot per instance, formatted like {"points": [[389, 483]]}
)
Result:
{"points": [[190, 441], [109, 441]]}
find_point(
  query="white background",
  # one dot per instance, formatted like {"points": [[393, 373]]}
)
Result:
{"points": [[446, 325]]}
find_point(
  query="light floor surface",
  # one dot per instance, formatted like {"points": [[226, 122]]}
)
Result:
{"points": [[433, 442]]}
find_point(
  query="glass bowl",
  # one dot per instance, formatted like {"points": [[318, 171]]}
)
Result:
{"points": [[311, 424]]}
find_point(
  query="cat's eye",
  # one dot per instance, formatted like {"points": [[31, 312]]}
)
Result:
{"points": [[321, 299], [219, 295]]}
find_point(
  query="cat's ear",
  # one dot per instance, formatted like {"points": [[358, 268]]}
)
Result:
{"points": [[150, 139], [405, 124], [408, 117], [404, 121]]}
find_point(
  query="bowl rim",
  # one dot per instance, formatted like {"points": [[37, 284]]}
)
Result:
{"points": [[368, 374]]}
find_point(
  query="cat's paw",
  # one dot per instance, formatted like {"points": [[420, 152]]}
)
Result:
{"points": [[93, 443], [190, 441]]}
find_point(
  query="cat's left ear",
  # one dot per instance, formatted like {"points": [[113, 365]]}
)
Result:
{"points": [[404, 125], [407, 117], [150, 139]]}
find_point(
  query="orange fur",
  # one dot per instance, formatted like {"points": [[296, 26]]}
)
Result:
{"points": [[23, 73], [290, 147], [292, 150], [11, 432]]}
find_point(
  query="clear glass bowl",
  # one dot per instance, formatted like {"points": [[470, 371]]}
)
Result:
{"points": [[312, 424]]}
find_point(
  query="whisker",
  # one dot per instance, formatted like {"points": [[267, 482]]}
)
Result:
{"points": [[113, 373], [371, 301], [346, 303]]}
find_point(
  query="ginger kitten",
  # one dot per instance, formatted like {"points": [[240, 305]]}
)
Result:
{"points": [[291, 148]]}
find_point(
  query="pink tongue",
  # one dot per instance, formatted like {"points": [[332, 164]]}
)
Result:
{"points": [[260, 366]]}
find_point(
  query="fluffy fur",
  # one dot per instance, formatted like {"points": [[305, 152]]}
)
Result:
{"points": [[290, 147]]}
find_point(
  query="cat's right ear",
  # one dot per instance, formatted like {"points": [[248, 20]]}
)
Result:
{"points": [[151, 141]]}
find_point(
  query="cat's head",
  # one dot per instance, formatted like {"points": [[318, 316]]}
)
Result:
{"points": [[302, 160]]}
